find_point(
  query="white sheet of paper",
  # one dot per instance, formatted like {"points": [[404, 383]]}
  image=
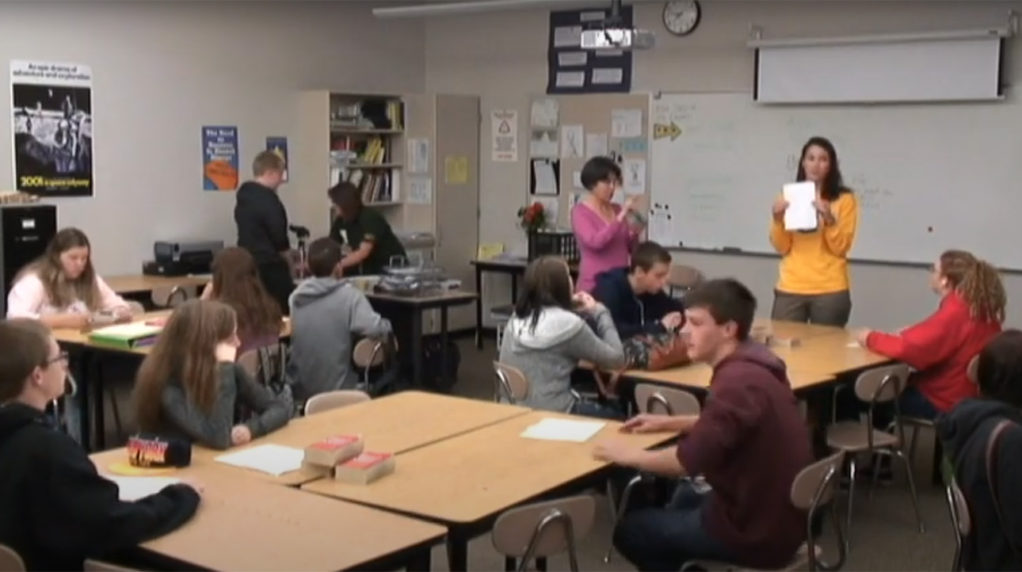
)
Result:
{"points": [[634, 174], [570, 79], [504, 123], [800, 214], [273, 459], [551, 429], [546, 179], [576, 180], [605, 76], [567, 36], [543, 145], [660, 225], [596, 145], [420, 190], [544, 113], [626, 123], [134, 488], [572, 141], [568, 59], [418, 155], [551, 208]]}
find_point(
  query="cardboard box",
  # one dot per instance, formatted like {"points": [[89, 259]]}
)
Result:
{"points": [[365, 468], [333, 451]]}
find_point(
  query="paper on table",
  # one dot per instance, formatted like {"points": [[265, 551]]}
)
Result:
{"points": [[273, 459], [134, 488], [552, 429], [800, 214]]}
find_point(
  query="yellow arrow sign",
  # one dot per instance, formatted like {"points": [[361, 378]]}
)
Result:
{"points": [[661, 130]]}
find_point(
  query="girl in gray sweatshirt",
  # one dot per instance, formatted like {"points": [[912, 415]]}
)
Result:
{"points": [[547, 336], [190, 386]]}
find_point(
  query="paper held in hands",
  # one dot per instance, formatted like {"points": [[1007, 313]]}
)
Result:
{"points": [[273, 459], [552, 429], [800, 214]]}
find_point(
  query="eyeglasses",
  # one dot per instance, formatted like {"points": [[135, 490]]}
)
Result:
{"points": [[61, 357]]}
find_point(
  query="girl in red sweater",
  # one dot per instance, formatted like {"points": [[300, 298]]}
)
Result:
{"points": [[940, 347]]}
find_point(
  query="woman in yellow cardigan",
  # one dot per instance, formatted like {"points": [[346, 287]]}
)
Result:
{"points": [[813, 284]]}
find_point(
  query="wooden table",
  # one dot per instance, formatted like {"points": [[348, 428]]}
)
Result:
{"points": [[467, 481], [246, 524], [399, 306], [833, 354], [697, 377], [134, 283], [396, 423]]}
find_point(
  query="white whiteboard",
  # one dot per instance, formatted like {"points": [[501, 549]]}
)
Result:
{"points": [[927, 177]]}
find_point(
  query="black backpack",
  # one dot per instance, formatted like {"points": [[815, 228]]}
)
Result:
{"points": [[437, 375]]}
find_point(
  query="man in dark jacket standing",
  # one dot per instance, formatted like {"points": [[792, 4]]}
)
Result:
{"points": [[749, 442], [635, 295], [966, 432], [262, 226]]}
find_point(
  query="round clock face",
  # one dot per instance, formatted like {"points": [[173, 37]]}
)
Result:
{"points": [[681, 16]]}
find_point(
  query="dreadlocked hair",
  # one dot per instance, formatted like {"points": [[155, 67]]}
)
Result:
{"points": [[977, 282]]}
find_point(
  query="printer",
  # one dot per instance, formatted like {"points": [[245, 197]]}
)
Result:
{"points": [[178, 258]]}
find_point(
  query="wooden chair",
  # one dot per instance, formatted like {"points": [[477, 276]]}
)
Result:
{"points": [[334, 400], [649, 398], [10, 561], [171, 297], [958, 507], [875, 386], [543, 529], [510, 384], [812, 491]]}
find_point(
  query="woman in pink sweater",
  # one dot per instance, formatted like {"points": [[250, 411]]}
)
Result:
{"points": [[602, 229]]}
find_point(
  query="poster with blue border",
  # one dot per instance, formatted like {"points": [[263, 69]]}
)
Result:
{"points": [[279, 146], [219, 158]]}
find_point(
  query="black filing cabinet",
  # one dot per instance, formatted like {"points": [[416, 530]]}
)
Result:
{"points": [[25, 230]]}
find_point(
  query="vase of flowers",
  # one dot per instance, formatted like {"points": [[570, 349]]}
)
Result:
{"points": [[532, 217]]}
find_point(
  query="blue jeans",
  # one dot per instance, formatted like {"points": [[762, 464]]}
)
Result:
{"points": [[666, 538]]}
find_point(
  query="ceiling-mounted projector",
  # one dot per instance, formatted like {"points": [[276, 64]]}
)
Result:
{"points": [[618, 39]]}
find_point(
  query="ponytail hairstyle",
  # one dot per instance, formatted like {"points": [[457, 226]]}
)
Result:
{"points": [[977, 282]]}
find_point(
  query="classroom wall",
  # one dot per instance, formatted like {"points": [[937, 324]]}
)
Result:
{"points": [[162, 69], [502, 57]]}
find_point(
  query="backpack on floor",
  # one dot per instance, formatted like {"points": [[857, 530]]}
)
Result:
{"points": [[438, 375]]}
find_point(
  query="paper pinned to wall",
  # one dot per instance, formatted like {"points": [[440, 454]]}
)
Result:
{"points": [[456, 170], [660, 224], [608, 76], [543, 144], [597, 145], [567, 36], [544, 113], [570, 79], [626, 123], [418, 155], [572, 141], [420, 190], [544, 175], [634, 174], [570, 59], [576, 179], [504, 123]]}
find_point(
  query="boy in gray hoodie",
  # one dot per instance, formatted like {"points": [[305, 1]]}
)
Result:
{"points": [[546, 338], [325, 313]]}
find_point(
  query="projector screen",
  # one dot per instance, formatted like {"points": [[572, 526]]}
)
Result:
{"points": [[915, 70]]}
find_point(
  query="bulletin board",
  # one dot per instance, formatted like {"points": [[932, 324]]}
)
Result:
{"points": [[564, 131]]}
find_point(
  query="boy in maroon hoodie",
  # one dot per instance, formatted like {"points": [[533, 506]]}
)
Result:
{"points": [[749, 442]]}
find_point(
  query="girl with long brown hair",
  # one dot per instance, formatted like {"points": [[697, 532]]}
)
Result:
{"points": [[940, 347], [236, 283], [189, 384], [61, 289]]}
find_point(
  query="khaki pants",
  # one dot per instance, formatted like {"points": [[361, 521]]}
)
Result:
{"points": [[831, 309]]}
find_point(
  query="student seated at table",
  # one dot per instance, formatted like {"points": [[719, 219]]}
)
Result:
{"points": [[547, 336], [57, 510], [368, 236], [61, 288], [966, 433], [190, 386], [940, 347], [749, 442], [326, 312], [635, 295], [236, 283]]}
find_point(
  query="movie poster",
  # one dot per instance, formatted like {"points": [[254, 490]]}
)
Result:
{"points": [[52, 104]]}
